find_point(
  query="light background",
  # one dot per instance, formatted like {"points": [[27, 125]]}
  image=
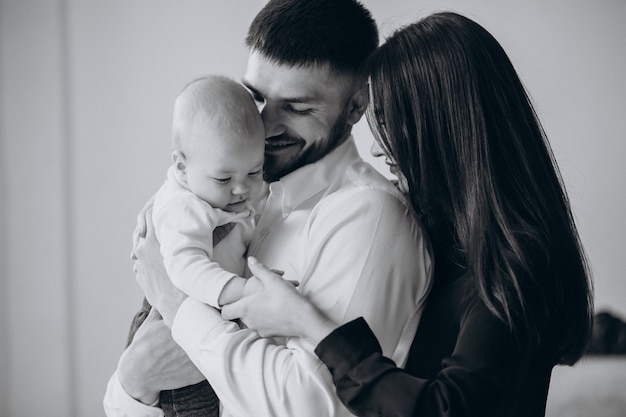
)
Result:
{"points": [[86, 93]]}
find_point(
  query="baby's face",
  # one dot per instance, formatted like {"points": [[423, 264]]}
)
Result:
{"points": [[225, 169]]}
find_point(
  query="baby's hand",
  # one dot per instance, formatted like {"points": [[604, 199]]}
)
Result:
{"points": [[252, 286]]}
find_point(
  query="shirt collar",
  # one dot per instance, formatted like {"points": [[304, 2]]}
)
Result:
{"points": [[307, 181]]}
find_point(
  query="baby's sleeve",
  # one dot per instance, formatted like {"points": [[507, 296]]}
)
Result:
{"points": [[184, 227]]}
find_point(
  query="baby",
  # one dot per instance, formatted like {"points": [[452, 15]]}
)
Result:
{"points": [[215, 179], [216, 175]]}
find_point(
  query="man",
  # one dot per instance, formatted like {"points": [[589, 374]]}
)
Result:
{"points": [[331, 222]]}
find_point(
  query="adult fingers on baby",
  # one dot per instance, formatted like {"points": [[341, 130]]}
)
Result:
{"points": [[149, 225], [140, 231], [147, 243], [136, 240], [142, 219], [140, 228], [261, 271], [269, 276], [136, 236]]}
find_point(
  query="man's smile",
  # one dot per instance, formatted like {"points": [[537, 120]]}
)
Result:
{"points": [[281, 144]]}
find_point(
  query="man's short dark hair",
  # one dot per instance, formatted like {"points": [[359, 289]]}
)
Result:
{"points": [[306, 33]]}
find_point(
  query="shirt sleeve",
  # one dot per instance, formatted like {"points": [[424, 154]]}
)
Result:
{"points": [[184, 226], [254, 376], [363, 258], [117, 402], [473, 381]]}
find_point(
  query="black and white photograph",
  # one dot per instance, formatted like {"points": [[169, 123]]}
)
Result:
{"points": [[312, 208]]}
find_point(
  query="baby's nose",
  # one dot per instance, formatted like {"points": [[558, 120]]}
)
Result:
{"points": [[241, 188]]}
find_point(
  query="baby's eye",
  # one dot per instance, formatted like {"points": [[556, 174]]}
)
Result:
{"points": [[221, 180], [255, 173]]}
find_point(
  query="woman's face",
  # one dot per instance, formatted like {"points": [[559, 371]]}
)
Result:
{"points": [[377, 151]]}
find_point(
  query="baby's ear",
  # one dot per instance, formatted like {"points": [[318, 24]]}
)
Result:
{"points": [[180, 165], [180, 162]]}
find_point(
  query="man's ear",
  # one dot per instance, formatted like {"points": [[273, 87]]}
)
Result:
{"points": [[180, 164], [358, 104]]}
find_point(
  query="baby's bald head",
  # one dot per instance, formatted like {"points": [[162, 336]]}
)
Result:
{"points": [[217, 100]]}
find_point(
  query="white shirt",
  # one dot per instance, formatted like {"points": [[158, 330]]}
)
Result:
{"points": [[184, 225], [343, 231]]}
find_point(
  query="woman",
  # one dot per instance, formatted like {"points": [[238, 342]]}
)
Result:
{"points": [[512, 292]]}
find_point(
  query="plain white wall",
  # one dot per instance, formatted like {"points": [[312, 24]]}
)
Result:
{"points": [[36, 295], [86, 94]]}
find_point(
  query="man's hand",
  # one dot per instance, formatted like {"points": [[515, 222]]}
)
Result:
{"points": [[149, 270], [154, 362], [142, 225]]}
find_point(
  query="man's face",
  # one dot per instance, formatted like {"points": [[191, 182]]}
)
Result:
{"points": [[306, 112]]}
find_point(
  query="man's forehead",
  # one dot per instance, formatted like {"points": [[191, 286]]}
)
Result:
{"points": [[294, 83]]}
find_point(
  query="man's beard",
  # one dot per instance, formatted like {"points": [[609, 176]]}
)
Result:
{"points": [[277, 166]]}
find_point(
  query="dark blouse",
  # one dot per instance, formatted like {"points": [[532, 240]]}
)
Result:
{"points": [[463, 362]]}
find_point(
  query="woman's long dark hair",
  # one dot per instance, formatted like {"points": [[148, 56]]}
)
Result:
{"points": [[449, 108]]}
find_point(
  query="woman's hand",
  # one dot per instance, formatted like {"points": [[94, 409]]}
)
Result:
{"points": [[149, 270], [276, 308]]}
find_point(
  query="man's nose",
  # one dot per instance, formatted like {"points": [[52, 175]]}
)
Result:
{"points": [[272, 120], [376, 150]]}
